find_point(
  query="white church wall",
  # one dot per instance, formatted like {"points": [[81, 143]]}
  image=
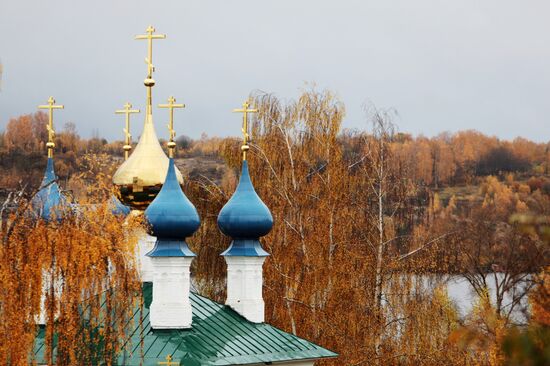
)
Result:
{"points": [[46, 287], [171, 307], [145, 245], [244, 287]]}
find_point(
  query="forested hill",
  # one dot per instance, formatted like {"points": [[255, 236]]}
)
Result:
{"points": [[429, 183], [453, 162]]}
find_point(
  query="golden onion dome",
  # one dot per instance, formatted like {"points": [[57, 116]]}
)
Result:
{"points": [[140, 178]]}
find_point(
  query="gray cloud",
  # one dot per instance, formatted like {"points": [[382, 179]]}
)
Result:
{"points": [[444, 65]]}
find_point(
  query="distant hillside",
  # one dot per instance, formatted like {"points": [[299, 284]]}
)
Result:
{"points": [[211, 168]]}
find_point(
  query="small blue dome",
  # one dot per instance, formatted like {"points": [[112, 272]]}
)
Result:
{"points": [[245, 218], [49, 202], [118, 208], [172, 218]]}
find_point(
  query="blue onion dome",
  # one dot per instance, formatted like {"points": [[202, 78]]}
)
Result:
{"points": [[118, 208], [49, 202], [245, 218], [172, 218]]}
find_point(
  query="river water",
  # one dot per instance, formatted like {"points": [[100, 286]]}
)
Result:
{"points": [[464, 297]]}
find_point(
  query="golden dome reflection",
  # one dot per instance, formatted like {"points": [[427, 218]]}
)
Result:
{"points": [[140, 178]]}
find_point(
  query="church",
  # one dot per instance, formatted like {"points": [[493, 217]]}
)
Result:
{"points": [[177, 326]]}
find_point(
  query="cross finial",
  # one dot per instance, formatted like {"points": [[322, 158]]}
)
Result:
{"points": [[149, 82], [171, 106], [128, 137], [149, 37], [51, 132], [245, 110], [169, 362]]}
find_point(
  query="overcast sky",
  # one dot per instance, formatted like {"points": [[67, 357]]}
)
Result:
{"points": [[443, 65]]}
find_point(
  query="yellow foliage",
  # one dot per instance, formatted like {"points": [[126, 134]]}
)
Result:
{"points": [[85, 258], [540, 298], [521, 207], [524, 189], [482, 333]]}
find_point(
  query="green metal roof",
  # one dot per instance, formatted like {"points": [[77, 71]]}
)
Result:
{"points": [[219, 336]]}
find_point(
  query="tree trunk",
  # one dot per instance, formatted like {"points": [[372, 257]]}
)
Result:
{"points": [[379, 255]]}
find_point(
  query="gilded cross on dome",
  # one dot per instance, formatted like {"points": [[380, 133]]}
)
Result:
{"points": [[149, 81], [245, 110], [149, 37], [51, 132], [171, 106], [128, 137]]}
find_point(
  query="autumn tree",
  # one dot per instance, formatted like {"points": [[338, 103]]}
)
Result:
{"points": [[320, 280], [368, 225], [79, 269], [19, 134], [26, 133], [68, 139], [498, 260], [385, 189]]}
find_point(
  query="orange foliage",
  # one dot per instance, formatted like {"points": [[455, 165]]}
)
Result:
{"points": [[482, 334], [67, 267], [540, 299], [337, 198], [319, 281]]}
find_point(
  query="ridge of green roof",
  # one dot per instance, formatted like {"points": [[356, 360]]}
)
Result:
{"points": [[219, 336]]}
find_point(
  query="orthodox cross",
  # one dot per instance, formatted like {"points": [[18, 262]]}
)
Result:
{"points": [[149, 82], [51, 132], [244, 110], [128, 137], [171, 105], [149, 37], [168, 362]]}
